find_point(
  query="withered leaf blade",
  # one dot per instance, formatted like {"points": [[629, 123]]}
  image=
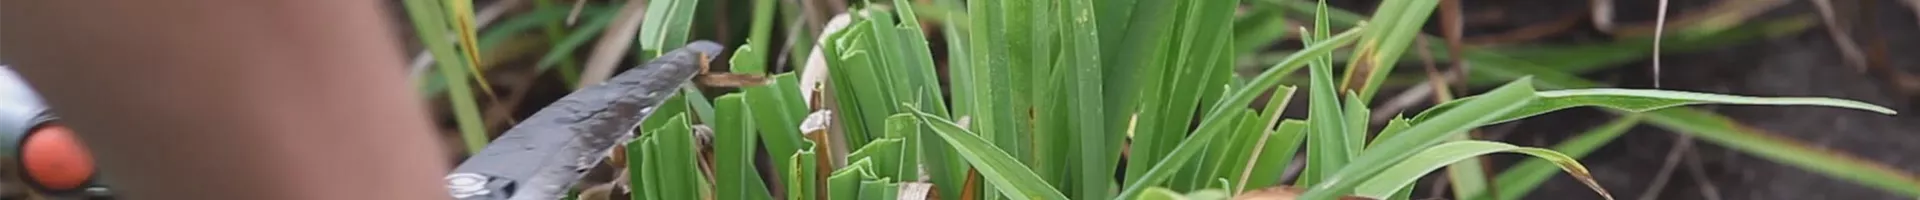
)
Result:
{"points": [[730, 80], [916, 191]]}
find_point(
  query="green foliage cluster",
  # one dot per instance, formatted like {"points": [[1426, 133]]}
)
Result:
{"points": [[1128, 99]]}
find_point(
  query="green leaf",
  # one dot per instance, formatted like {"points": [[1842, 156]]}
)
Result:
{"points": [[644, 168], [959, 65], [1186, 75], [1115, 20], [431, 26], [1327, 144], [904, 126], [885, 154], [1275, 146], [1114, 17], [1760, 143], [1641, 100], [696, 100], [904, 60], [1029, 37], [1028, 51], [994, 165], [1241, 152], [1356, 115], [918, 67], [1405, 172], [1399, 123], [1158, 193], [777, 111], [1726, 132], [1397, 23], [569, 69], [1094, 144], [747, 60], [878, 64], [1468, 178], [674, 106], [757, 40], [1576, 58], [1522, 178], [1497, 102], [588, 30], [880, 189], [944, 166], [995, 109], [1263, 25], [517, 24], [733, 148], [460, 17], [1492, 67], [914, 77], [1644, 100], [665, 27], [1141, 61], [1272, 161], [845, 183], [1406, 193], [677, 175], [1211, 125], [508, 27], [856, 83], [802, 176], [1218, 157]]}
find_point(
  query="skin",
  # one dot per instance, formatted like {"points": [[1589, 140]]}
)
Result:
{"points": [[212, 99]]}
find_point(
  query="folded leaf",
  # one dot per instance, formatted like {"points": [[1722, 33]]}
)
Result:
{"points": [[1407, 171], [1522, 178], [1368, 164], [999, 169], [1642, 100]]}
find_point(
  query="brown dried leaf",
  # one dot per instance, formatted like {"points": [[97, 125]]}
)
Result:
{"points": [[729, 80], [916, 191], [599, 192]]}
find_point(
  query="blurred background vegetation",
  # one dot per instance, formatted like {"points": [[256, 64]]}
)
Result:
{"points": [[534, 51]]}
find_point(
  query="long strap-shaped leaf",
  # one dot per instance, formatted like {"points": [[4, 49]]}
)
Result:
{"points": [[1642, 100], [1327, 147], [1390, 150], [462, 13], [997, 167], [1522, 178], [1095, 146], [1193, 145], [1404, 173], [431, 27], [734, 143]]}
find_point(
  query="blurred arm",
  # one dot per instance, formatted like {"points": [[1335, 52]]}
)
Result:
{"points": [[211, 99]]}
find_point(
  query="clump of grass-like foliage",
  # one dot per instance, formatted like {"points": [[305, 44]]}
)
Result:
{"points": [[1047, 97]]}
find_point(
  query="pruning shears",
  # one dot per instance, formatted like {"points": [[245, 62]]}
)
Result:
{"points": [[542, 157], [39, 156], [539, 159]]}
